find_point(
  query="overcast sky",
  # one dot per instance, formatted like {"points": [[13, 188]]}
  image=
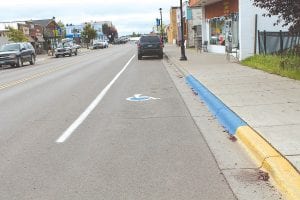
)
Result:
{"points": [[127, 15]]}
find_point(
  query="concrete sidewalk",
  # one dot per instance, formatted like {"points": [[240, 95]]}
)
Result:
{"points": [[268, 103]]}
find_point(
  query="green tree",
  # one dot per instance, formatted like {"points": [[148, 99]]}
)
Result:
{"points": [[163, 29], [16, 35], [105, 29], [88, 33], [63, 28], [288, 11], [135, 34]]}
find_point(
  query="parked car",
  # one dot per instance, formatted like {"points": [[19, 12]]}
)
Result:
{"points": [[65, 48], [121, 40], [15, 54], [105, 43], [77, 46], [97, 44], [150, 45]]}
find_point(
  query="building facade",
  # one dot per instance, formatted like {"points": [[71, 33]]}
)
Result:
{"points": [[235, 22], [4, 31], [52, 32], [74, 31], [173, 28], [32, 31], [194, 23]]}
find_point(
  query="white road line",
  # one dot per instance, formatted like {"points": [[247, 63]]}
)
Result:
{"points": [[91, 107]]}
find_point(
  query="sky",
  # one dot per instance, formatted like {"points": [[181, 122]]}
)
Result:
{"points": [[128, 16]]}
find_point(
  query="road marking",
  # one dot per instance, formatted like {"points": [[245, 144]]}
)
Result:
{"points": [[34, 76], [17, 82], [40, 74], [91, 107], [139, 97]]}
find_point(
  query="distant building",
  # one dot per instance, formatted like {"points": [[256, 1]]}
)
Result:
{"points": [[4, 30], [33, 32], [52, 32], [3, 37], [173, 28], [74, 31]]}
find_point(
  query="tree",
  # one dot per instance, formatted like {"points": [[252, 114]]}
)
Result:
{"points": [[88, 33], [16, 35], [105, 29], [288, 12], [135, 34], [63, 28], [112, 34]]}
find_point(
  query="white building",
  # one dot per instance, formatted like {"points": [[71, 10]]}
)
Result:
{"points": [[239, 19], [74, 31]]}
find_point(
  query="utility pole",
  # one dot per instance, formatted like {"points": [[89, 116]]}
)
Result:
{"points": [[183, 57], [161, 27]]}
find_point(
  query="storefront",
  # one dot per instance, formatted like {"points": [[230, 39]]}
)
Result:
{"points": [[37, 34], [221, 23], [234, 23], [50, 35]]}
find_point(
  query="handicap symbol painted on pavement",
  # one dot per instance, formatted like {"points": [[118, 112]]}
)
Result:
{"points": [[139, 97]]}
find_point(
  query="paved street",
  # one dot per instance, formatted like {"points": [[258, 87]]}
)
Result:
{"points": [[86, 113], [121, 150]]}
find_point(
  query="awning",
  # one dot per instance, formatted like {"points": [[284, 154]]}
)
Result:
{"points": [[40, 39]]}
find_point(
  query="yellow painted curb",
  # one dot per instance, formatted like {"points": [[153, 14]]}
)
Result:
{"points": [[285, 175]]}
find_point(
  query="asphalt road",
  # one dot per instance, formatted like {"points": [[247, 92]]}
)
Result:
{"points": [[115, 148]]}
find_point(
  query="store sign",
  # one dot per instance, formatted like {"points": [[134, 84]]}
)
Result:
{"points": [[189, 14], [197, 16], [184, 9], [38, 32], [25, 30], [178, 18], [226, 7]]}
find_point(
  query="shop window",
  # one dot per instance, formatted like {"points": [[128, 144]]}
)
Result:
{"points": [[221, 27], [217, 31]]}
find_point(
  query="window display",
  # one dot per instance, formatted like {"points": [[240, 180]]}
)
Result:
{"points": [[217, 31], [220, 27]]}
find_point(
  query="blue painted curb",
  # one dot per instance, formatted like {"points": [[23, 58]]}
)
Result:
{"points": [[227, 117]]}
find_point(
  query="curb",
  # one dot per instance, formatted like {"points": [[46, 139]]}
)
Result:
{"points": [[285, 175], [230, 121]]}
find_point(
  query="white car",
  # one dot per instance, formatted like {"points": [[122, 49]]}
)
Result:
{"points": [[104, 43], [97, 44]]}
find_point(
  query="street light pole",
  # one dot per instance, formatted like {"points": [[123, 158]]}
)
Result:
{"points": [[183, 57], [161, 27]]}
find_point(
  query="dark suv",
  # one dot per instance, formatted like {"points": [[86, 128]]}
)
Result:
{"points": [[15, 54], [149, 45]]}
